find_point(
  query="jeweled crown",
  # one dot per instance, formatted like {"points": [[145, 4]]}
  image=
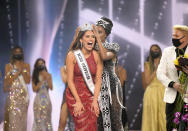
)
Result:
{"points": [[85, 27]]}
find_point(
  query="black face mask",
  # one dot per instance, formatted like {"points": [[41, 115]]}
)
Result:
{"points": [[18, 56], [176, 42], [155, 54], [41, 67]]}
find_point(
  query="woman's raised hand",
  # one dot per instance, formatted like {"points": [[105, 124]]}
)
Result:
{"points": [[95, 30]]}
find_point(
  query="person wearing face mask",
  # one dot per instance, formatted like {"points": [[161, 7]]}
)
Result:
{"points": [[17, 76], [153, 116], [168, 74], [41, 83], [84, 71]]}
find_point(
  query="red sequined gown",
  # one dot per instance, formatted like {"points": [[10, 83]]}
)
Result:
{"points": [[87, 121]]}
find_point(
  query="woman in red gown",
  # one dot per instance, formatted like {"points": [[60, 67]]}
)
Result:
{"points": [[82, 105]]}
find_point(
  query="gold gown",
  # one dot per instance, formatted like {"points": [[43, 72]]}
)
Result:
{"points": [[17, 102], [153, 116]]}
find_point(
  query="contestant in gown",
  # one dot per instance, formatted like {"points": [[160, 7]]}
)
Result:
{"points": [[82, 104], [153, 117], [17, 75], [42, 82]]}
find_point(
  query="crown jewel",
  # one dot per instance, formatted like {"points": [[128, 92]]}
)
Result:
{"points": [[85, 27], [102, 22]]}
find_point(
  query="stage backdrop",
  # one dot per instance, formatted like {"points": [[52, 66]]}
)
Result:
{"points": [[45, 28]]}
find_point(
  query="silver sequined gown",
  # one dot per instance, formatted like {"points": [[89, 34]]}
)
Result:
{"points": [[42, 109], [16, 105]]}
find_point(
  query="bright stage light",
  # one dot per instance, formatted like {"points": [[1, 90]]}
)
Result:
{"points": [[122, 31]]}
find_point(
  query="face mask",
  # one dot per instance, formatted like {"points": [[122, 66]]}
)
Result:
{"points": [[176, 42], [155, 54], [41, 67], [18, 56]]}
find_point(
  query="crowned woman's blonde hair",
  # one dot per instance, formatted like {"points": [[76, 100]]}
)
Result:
{"points": [[182, 28]]}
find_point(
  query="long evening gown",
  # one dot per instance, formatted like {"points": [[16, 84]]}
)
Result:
{"points": [[111, 118], [16, 104], [153, 116], [87, 121], [42, 109]]}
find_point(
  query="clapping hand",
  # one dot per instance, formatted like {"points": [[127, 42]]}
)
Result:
{"points": [[95, 31]]}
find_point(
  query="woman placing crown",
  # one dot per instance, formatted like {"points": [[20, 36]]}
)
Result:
{"points": [[84, 70], [111, 90]]}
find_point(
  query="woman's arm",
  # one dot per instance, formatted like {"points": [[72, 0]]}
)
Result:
{"points": [[104, 53], [70, 62], [64, 74], [7, 79], [98, 78], [122, 74], [26, 73], [49, 80], [148, 77]]}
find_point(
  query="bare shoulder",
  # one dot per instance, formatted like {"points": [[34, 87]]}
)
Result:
{"points": [[7, 66], [96, 55], [63, 68], [146, 64], [49, 75], [70, 54], [121, 69], [71, 57]]}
